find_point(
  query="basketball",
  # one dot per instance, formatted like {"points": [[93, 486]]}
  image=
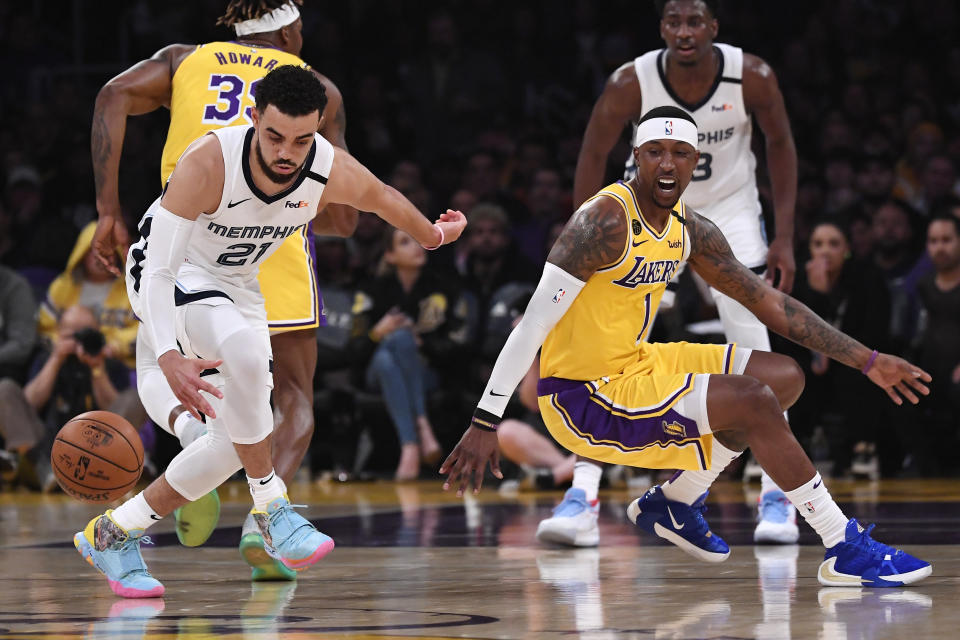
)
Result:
{"points": [[97, 457]]}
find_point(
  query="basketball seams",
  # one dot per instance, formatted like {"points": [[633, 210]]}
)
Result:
{"points": [[114, 429], [99, 457]]}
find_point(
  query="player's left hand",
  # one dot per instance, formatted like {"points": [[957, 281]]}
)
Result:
{"points": [[898, 378], [453, 224], [110, 240], [469, 459], [780, 258]]}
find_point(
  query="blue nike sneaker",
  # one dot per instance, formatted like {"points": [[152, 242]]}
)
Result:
{"points": [[573, 523], [116, 554], [861, 561], [289, 537], [679, 523]]}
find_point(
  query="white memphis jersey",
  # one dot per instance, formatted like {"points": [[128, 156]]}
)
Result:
{"points": [[727, 165], [248, 226]]}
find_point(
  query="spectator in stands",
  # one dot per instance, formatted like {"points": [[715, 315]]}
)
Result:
{"points": [[407, 322], [850, 295], [939, 345], [18, 325], [895, 255], [546, 205], [925, 139], [87, 282], [72, 376], [874, 181]]}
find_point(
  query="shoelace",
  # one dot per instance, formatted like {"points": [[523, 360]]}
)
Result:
{"points": [[569, 505], [870, 547], [284, 513], [133, 562]]}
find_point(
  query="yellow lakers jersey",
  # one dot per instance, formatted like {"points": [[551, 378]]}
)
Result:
{"points": [[213, 87], [606, 326]]}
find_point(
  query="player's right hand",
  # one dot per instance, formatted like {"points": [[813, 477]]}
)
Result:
{"points": [[469, 458], [183, 376], [453, 223], [110, 241], [897, 376]]}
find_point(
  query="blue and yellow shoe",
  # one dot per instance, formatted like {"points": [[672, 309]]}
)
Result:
{"points": [[861, 561], [289, 537], [679, 523], [263, 567], [197, 520], [116, 554]]}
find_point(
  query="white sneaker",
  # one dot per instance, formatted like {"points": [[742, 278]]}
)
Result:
{"points": [[752, 469], [574, 522], [776, 520]]}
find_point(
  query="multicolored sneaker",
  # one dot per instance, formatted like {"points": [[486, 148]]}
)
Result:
{"points": [[116, 554], [197, 520], [289, 537], [776, 520], [861, 561], [574, 521], [263, 567], [679, 523]]}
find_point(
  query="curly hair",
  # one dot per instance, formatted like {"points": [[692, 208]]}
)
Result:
{"points": [[293, 90], [240, 10], [711, 6]]}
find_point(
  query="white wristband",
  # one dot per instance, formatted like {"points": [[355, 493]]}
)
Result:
{"points": [[440, 229]]}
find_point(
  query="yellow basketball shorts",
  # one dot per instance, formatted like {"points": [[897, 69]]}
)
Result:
{"points": [[652, 415], [288, 282]]}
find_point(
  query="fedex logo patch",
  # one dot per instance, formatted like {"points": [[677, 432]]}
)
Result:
{"points": [[296, 205]]}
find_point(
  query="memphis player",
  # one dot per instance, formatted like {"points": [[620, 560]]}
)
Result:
{"points": [[607, 394], [207, 87], [232, 198], [722, 87]]}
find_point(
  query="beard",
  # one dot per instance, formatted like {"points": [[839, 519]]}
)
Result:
{"points": [[274, 176]]}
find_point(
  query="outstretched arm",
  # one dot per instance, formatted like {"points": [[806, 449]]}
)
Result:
{"points": [[763, 98], [352, 184], [142, 88], [712, 258], [618, 104], [593, 238]]}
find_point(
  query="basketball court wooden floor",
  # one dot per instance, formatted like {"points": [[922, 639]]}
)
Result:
{"points": [[412, 562]]}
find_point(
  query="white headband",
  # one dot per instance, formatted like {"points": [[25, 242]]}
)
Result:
{"points": [[276, 19], [666, 129]]}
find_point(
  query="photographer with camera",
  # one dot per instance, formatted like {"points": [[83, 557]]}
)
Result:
{"points": [[73, 376]]}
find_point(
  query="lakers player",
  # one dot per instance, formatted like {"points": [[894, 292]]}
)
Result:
{"points": [[207, 87], [723, 88], [204, 323], [607, 394]]}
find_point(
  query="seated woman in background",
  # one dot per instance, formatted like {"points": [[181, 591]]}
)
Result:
{"points": [[850, 295], [406, 321]]}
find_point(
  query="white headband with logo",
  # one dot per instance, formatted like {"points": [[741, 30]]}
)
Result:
{"points": [[666, 129], [276, 19]]}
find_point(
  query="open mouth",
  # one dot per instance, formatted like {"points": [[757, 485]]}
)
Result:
{"points": [[667, 184]]}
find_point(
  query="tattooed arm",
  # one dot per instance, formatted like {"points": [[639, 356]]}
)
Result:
{"points": [[335, 219], [595, 237], [711, 257], [142, 88]]}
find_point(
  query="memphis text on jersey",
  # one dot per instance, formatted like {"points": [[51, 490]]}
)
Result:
{"points": [[713, 137], [255, 231]]}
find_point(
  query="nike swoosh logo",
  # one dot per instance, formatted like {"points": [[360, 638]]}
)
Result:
{"points": [[676, 525], [637, 244], [832, 576], [818, 483], [155, 517], [268, 479], [494, 393], [231, 205]]}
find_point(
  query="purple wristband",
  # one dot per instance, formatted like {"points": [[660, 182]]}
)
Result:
{"points": [[866, 367]]}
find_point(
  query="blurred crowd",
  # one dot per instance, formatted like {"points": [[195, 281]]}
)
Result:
{"points": [[480, 105]]}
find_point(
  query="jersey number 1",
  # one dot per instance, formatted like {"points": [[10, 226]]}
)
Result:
{"points": [[229, 99]]}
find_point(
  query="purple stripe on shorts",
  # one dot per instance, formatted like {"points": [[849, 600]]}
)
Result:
{"points": [[312, 257], [597, 425], [728, 360], [639, 412], [549, 386]]}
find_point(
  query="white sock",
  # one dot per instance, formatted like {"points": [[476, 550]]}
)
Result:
{"points": [[265, 490], [135, 514], [815, 504], [586, 476], [187, 428], [767, 484], [687, 486]]}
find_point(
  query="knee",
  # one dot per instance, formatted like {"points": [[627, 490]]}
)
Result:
{"points": [[759, 402], [401, 341], [508, 432], [794, 381], [248, 358], [382, 360]]}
